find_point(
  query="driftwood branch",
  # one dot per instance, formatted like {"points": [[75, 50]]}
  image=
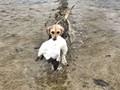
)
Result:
{"points": [[65, 17]]}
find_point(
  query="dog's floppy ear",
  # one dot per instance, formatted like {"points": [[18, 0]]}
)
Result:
{"points": [[48, 30]]}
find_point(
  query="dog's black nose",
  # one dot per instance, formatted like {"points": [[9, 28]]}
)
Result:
{"points": [[54, 38]]}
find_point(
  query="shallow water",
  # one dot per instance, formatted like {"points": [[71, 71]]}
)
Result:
{"points": [[94, 50]]}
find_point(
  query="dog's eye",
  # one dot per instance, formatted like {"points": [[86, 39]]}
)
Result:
{"points": [[58, 32], [52, 32]]}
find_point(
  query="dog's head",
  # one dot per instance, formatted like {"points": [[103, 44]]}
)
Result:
{"points": [[55, 30]]}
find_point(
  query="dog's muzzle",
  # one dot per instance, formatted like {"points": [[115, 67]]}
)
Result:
{"points": [[54, 38]]}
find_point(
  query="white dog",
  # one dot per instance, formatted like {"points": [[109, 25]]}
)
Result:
{"points": [[51, 51]]}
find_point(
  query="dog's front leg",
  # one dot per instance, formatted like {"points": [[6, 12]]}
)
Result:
{"points": [[64, 61], [58, 58], [40, 53], [64, 52]]}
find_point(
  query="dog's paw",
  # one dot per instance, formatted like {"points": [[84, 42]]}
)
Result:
{"points": [[64, 62], [37, 59]]}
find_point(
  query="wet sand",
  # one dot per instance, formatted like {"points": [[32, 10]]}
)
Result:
{"points": [[94, 51]]}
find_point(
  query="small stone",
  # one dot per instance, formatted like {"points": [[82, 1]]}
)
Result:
{"points": [[100, 82], [107, 55]]}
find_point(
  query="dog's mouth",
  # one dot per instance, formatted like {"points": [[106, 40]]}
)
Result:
{"points": [[54, 38]]}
